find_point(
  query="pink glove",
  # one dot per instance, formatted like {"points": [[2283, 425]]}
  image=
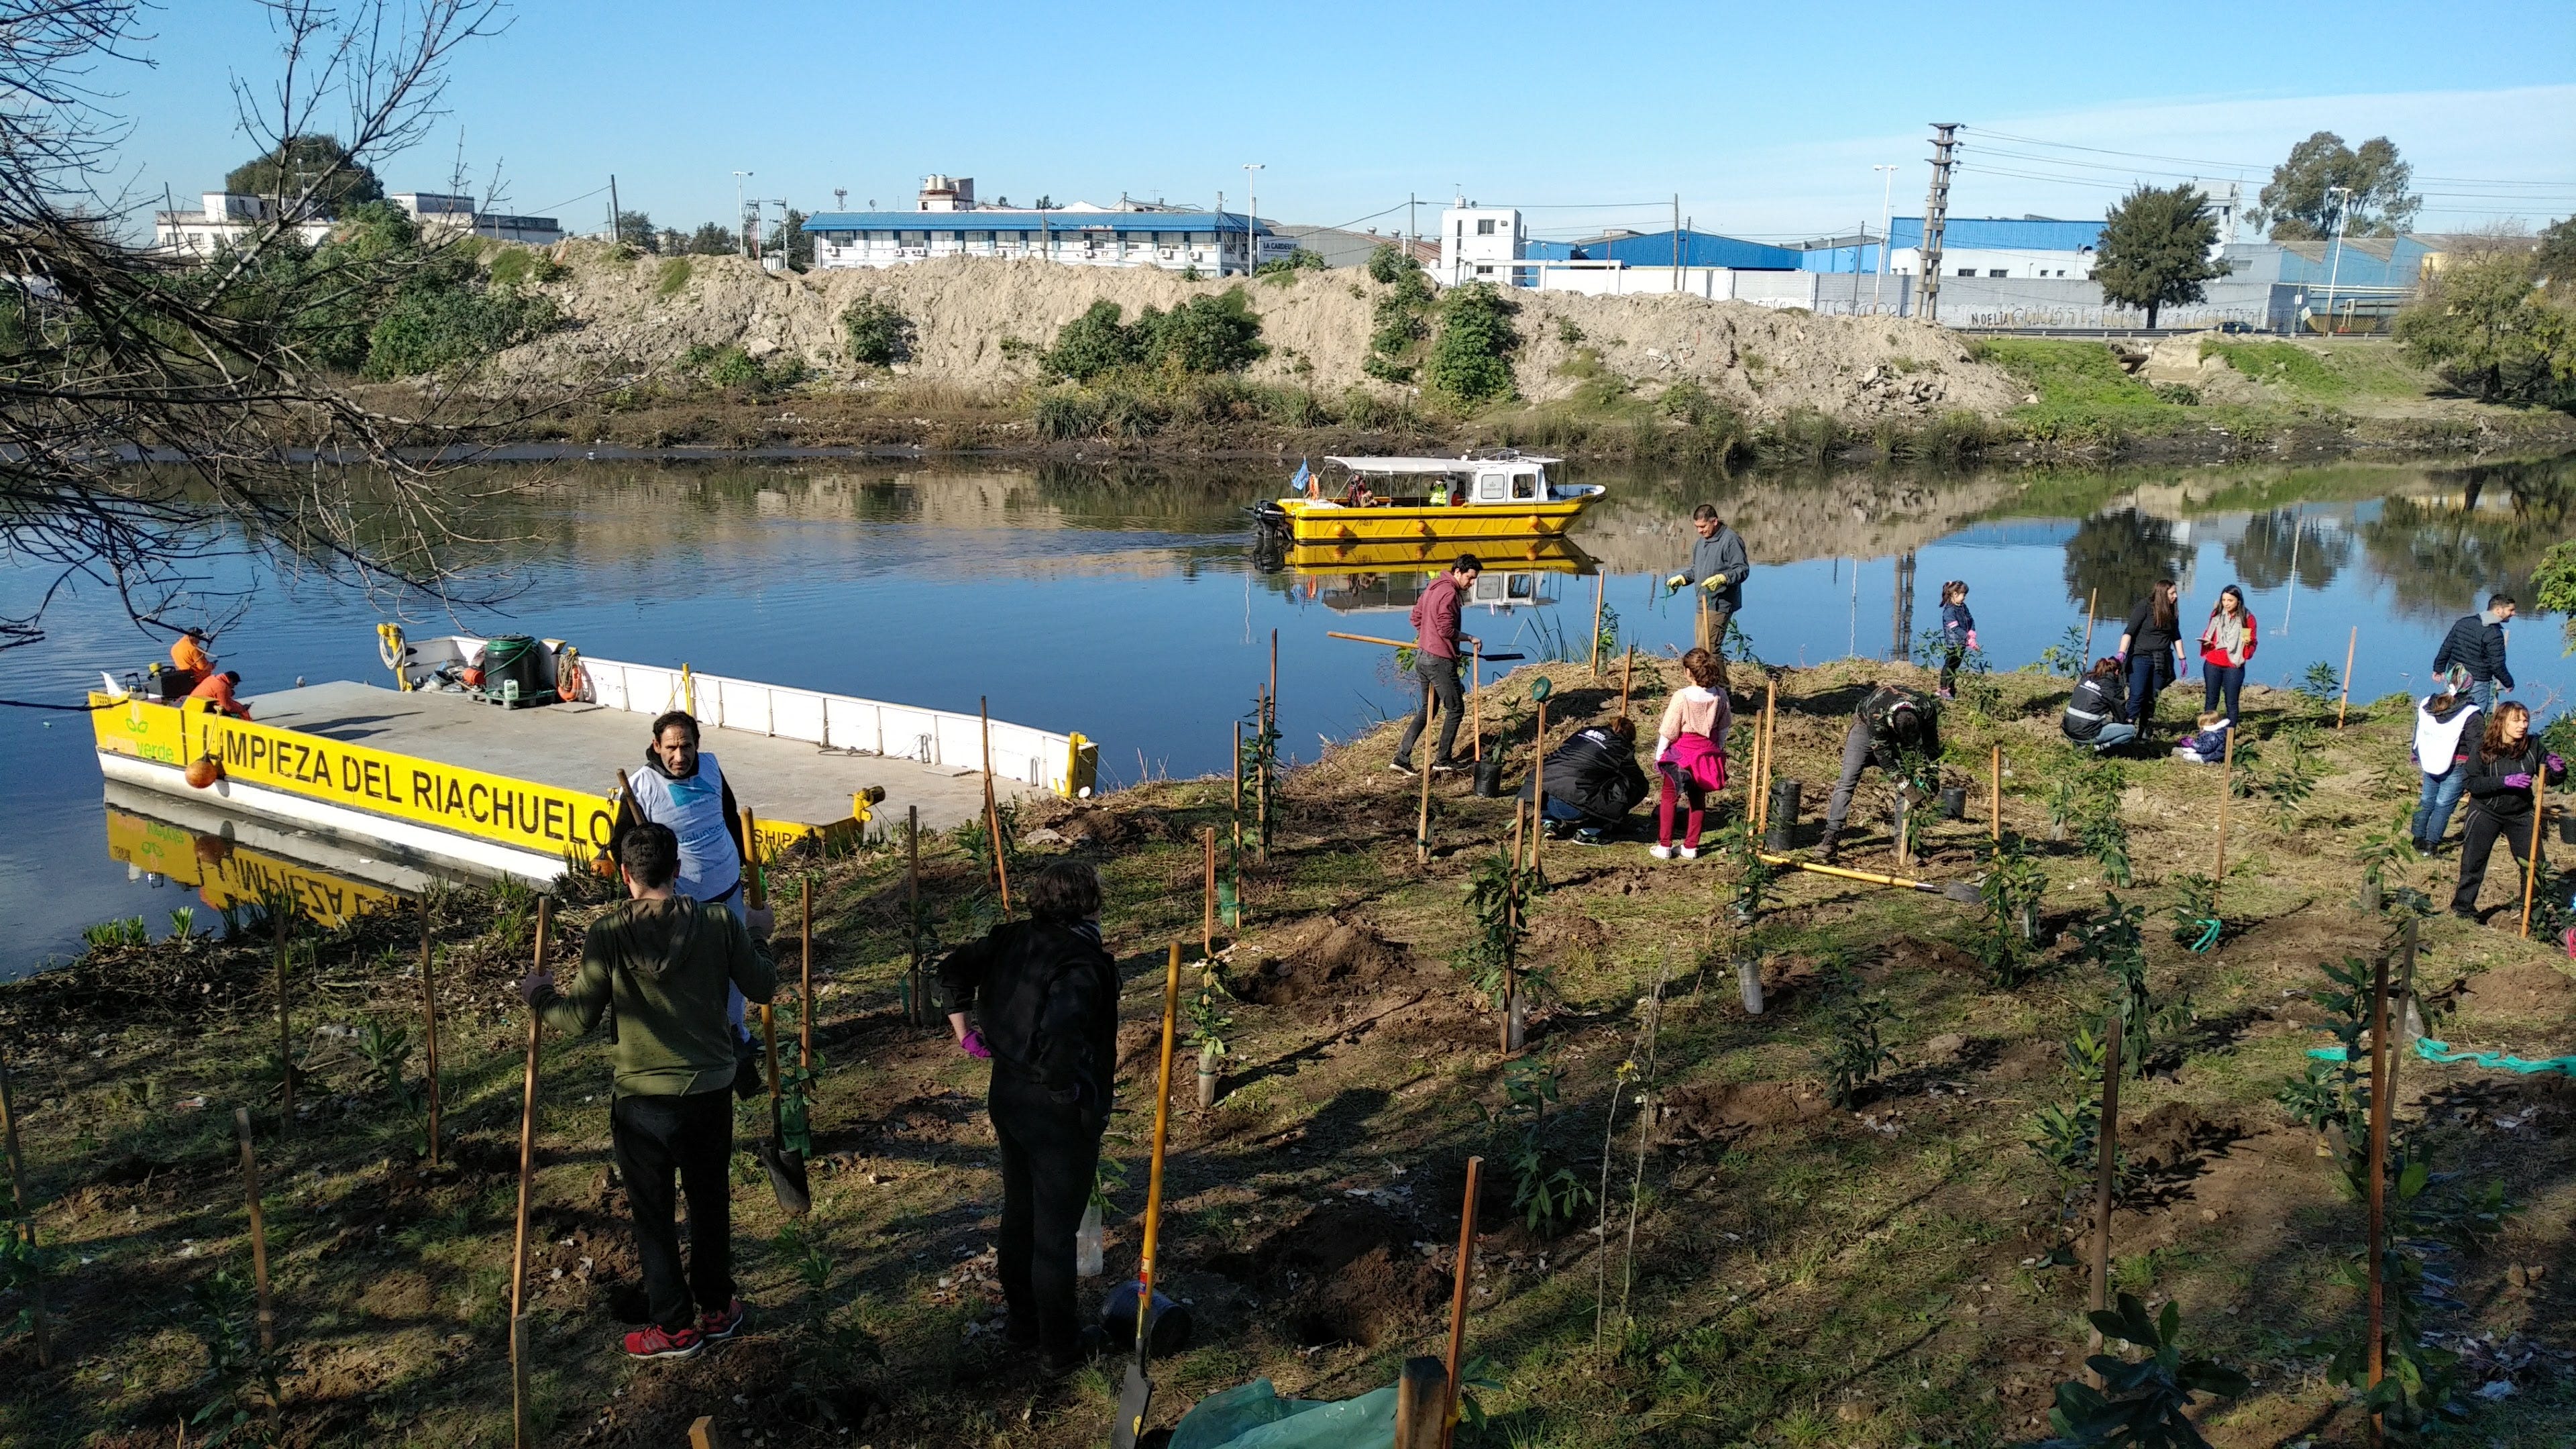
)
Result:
{"points": [[1972, 638], [972, 1044], [2517, 782], [2557, 766]]}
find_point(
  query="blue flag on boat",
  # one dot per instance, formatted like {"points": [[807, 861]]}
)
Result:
{"points": [[1298, 483]]}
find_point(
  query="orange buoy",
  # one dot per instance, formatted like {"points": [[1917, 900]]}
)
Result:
{"points": [[204, 771]]}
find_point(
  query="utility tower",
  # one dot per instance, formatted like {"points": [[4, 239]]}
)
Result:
{"points": [[1936, 214]]}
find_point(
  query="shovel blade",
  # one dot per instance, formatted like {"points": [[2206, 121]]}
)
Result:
{"points": [[786, 1177], [1965, 892], [1133, 1396]]}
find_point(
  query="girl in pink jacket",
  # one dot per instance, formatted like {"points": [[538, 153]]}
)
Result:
{"points": [[1690, 750]]}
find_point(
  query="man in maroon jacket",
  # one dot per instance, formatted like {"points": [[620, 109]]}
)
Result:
{"points": [[1436, 644]]}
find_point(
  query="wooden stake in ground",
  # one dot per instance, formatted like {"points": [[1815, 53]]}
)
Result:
{"points": [[1422, 823], [1238, 804], [1995, 795], [2107, 1173], [2349, 646], [284, 909], [1464, 1274], [1261, 780], [993, 812], [1207, 921], [1627, 674], [2091, 598], [912, 911], [1597, 587], [1538, 787], [258, 1231], [2226, 788], [2531, 866], [1476, 702], [1421, 1391], [805, 973], [429, 1023], [2379, 1112], [26, 1216], [519, 1405], [1766, 735]]}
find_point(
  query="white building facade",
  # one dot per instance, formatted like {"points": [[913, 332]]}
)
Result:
{"points": [[946, 221], [1480, 244], [228, 218]]}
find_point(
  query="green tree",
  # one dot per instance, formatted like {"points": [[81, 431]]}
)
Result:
{"points": [[2556, 262], [1470, 361], [2155, 249], [1091, 344], [319, 164], [2300, 203], [879, 335], [636, 230], [2493, 331], [1202, 335], [792, 237], [2555, 583], [712, 240]]}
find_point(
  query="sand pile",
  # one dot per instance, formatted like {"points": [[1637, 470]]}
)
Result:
{"points": [[979, 323]]}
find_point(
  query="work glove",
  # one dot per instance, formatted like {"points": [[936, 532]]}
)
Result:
{"points": [[972, 1044], [1674, 584], [1713, 582], [2517, 782], [2557, 766], [1972, 638]]}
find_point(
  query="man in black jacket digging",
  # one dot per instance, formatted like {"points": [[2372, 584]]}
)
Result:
{"points": [[1046, 996], [2476, 643], [1592, 783]]}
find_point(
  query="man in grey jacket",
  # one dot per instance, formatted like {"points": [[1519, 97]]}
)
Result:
{"points": [[2476, 643], [1718, 564]]}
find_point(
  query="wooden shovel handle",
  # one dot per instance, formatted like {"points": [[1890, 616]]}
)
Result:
{"points": [[1162, 1126], [754, 894]]}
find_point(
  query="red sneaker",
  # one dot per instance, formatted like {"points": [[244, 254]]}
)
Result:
{"points": [[716, 1326], [660, 1342]]}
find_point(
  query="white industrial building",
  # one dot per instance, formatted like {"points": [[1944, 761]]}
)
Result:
{"points": [[226, 218], [946, 221], [1480, 244]]}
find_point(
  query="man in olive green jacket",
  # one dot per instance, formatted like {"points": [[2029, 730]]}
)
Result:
{"points": [[659, 968]]}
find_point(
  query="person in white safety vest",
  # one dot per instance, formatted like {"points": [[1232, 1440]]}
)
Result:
{"points": [[686, 790]]}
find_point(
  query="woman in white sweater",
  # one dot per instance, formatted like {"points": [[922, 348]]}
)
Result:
{"points": [[1690, 750]]}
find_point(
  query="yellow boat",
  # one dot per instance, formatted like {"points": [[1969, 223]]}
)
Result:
{"points": [[442, 771], [1548, 553], [1445, 500]]}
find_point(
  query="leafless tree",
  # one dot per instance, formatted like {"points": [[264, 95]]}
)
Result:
{"points": [[157, 419]]}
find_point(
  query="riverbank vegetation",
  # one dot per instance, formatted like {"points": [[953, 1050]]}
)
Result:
{"points": [[1777, 1268]]}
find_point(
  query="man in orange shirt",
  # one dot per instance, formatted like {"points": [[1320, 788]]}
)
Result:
{"points": [[219, 688], [190, 660]]}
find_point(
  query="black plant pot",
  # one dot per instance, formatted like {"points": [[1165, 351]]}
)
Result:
{"points": [[1954, 802], [1489, 776]]}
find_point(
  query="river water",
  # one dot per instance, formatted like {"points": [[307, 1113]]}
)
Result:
{"points": [[1133, 606]]}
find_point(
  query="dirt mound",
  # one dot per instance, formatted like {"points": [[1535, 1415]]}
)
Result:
{"points": [[2026, 1061], [1560, 935], [979, 323], [1706, 1111], [1918, 953], [1341, 958], [1104, 829], [2522, 989], [2177, 1134], [1342, 1272]]}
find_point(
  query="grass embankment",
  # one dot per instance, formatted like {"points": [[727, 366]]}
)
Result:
{"points": [[1802, 1275]]}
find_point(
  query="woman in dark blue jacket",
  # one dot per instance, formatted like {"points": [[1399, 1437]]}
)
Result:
{"points": [[2507, 762]]}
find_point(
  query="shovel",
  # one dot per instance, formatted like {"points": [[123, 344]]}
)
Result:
{"points": [[786, 1169], [1963, 891], [1138, 1390]]}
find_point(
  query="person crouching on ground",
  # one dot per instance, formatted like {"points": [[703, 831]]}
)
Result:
{"points": [[1690, 750], [1958, 634], [1592, 783], [1046, 996], [2094, 713], [664, 964], [2508, 760], [2446, 736], [219, 688], [1892, 724], [2207, 745]]}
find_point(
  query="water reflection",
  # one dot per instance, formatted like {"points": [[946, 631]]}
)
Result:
{"points": [[2113, 558], [2284, 543], [2482, 530]]}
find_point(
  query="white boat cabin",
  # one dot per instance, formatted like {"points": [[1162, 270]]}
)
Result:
{"points": [[1500, 481]]}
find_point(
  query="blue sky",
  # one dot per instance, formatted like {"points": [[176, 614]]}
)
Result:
{"points": [[1766, 120]]}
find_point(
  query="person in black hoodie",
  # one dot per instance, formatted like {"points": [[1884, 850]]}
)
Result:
{"points": [[2477, 642], [1592, 782], [1044, 996], [2093, 712], [2507, 760], [2152, 647]]}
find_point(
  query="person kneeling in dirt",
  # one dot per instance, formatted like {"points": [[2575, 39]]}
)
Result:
{"points": [[664, 965], [2094, 715], [1046, 995], [1592, 783], [1893, 724], [2502, 769]]}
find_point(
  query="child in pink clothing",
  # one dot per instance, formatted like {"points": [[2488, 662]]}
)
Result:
{"points": [[1690, 750]]}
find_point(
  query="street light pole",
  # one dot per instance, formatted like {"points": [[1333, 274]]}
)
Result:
{"points": [[752, 243], [1886, 218], [1251, 216], [2334, 270]]}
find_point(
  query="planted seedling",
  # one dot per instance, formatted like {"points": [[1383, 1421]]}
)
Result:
{"points": [[2197, 925], [2112, 939], [2382, 852], [1852, 1055], [2320, 686], [2011, 889], [2145, 1403], [1498, 896], [2430, 1216], [240, 1376], [1545, 1192]]}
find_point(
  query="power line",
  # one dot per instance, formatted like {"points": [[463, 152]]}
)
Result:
{"points": [[2236, 165]]}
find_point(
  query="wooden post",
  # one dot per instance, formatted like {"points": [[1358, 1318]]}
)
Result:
{"points": [[2085, 664], [1421, 1395], [1538, 787], [1766, 730], [258, 1231], [2380, 1109], [702, 1432], [2345, 703], [1475, 702], [1422, 824], [26, 1215], [1464, 1274], [2226, 788], [1207, 922], [805, 972], [429, 1024], [527, 1182], [2531, 866], [1238, 794], [285, 1048], [1595, 651], [912, 908], [1627, 673], [992, 812], [2106, 1175], [1995, 795], [1261, 779]]}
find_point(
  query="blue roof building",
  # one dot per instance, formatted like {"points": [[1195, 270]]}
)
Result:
{"points": [[2000, 233], [1212, 243], [1657, 249]]}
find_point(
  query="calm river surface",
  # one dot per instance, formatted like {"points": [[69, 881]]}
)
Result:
{"points": [[1130, 604]]}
